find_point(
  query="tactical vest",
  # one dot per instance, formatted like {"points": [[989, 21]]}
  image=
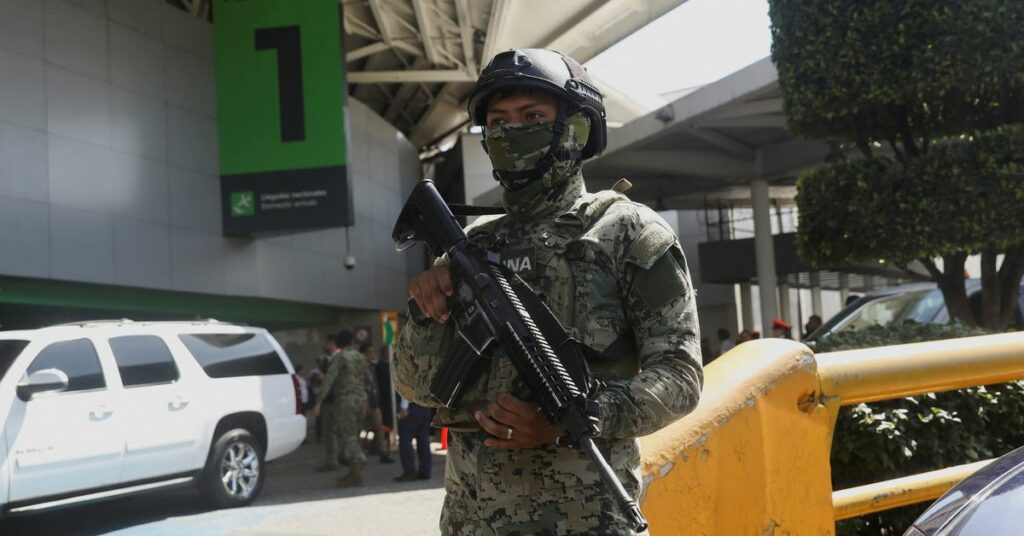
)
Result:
{"points": [[563, 261]]}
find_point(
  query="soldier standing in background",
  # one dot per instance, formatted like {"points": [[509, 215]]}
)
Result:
{"points": [[614, 274], [346, 379]]}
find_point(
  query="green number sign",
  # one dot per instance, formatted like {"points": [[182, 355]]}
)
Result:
{"points": [[280, 115]]}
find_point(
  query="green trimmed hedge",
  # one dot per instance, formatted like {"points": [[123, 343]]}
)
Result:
{"points": [[864, 69], [885, 440], [966, 194]]}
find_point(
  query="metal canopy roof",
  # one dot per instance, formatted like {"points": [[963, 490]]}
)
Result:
{"points": [[414, 61], [706, 146]]}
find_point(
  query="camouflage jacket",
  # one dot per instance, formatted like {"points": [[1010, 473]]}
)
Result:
{"points": [[346, 378], [606, 267]]}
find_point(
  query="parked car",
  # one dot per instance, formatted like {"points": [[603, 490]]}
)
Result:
{"points": [[105, 409], [920, 302], [990, 502]]}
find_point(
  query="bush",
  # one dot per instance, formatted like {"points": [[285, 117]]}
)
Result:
{"points": [[965, 195], [885, 440], [863, 70]]}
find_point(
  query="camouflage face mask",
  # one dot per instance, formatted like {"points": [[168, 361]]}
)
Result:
{"points": [[516, 147]]}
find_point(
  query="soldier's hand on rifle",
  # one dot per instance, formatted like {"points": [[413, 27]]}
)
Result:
{"points": [[516, 424], [431, 290]]}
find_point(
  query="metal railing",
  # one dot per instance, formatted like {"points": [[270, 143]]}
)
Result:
{"points": [[754, 456], [874, 374]]}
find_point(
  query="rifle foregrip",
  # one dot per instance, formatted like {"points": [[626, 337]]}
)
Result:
{"points": [[456, 372]]}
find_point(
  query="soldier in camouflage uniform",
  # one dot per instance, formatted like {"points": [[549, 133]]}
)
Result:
{"points": [[345, 378], [613, 273]]}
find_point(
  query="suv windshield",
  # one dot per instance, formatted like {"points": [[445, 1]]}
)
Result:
{"points": [[9, 351], [920, 306]]}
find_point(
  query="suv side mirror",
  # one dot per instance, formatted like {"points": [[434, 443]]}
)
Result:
{"points": [[42, 381]]}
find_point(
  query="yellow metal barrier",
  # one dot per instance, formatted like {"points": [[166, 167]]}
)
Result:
{"points": [[898, 492], [753, 458]]}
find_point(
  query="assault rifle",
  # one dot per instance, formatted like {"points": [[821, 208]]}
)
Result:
{"points": [[491, 306]]}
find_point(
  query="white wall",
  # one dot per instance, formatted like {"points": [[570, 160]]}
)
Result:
{"points": [[109, 165]]}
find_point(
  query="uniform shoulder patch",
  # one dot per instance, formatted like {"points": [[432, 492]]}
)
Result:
{"points": [[664, 282], [653, 241]]}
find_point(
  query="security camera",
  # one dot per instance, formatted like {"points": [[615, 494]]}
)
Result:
{"points": [[350, 262]]}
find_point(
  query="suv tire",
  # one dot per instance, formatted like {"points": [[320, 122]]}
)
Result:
{"points": [[235, 470]]}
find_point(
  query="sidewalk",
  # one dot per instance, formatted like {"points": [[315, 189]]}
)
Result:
{"points": [[300, 501]]}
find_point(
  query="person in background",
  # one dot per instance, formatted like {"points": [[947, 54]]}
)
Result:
{"points": [[780, 329], [813, 323], [346, 381], [382, 370], [747, 335], [325, 419], [414, 424], [374, 420], [303, 387], [316, 378], [724, 341]]}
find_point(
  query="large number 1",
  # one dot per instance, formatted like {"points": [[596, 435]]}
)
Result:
{"points": [[286, 41]]}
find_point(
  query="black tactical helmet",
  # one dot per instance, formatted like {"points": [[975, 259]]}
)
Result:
{"points": [[549, 71]]}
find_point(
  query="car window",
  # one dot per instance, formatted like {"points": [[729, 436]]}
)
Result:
{"points": [[143, 360], [226, 356], [926, 308], [885, 311], [999, 513], [9, 351], [75, 358]]}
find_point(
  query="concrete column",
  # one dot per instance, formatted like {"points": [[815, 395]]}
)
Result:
{"points": [[765, 252], [747, 306], [785, 307], [816, 293], [844, 288]]}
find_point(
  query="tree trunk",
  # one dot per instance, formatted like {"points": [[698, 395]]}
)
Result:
{"points": [[952, 284], [991, 292], [1010, 274]]}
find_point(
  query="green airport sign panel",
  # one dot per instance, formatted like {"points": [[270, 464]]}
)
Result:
{"points": [[281, 115]]}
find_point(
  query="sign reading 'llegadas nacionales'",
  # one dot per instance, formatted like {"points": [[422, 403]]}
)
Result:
{"points": [[280, 115]]}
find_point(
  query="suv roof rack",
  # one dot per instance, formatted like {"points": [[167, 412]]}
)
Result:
{"points": [[113, 321]]}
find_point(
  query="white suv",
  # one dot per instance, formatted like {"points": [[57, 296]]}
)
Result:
{"points": [[97, 410]]}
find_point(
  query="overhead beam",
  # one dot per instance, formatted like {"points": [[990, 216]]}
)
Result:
{"points": [[443, 113], [423, 21], [401, 77], [466, 32], [499, 16], [723, 142], [356, 26], [709, 164], [746, 109], [380, 16], [747, 121], [365, 51], [377, 8]]}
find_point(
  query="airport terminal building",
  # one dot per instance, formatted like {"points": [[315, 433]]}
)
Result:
{"points": [[116, 192], [110, 195]]}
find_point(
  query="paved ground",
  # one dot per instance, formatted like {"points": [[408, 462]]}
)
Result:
{"points": [[295, 501]]}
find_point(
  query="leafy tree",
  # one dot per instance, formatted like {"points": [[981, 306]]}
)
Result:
{"points": [[931, 93]]}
